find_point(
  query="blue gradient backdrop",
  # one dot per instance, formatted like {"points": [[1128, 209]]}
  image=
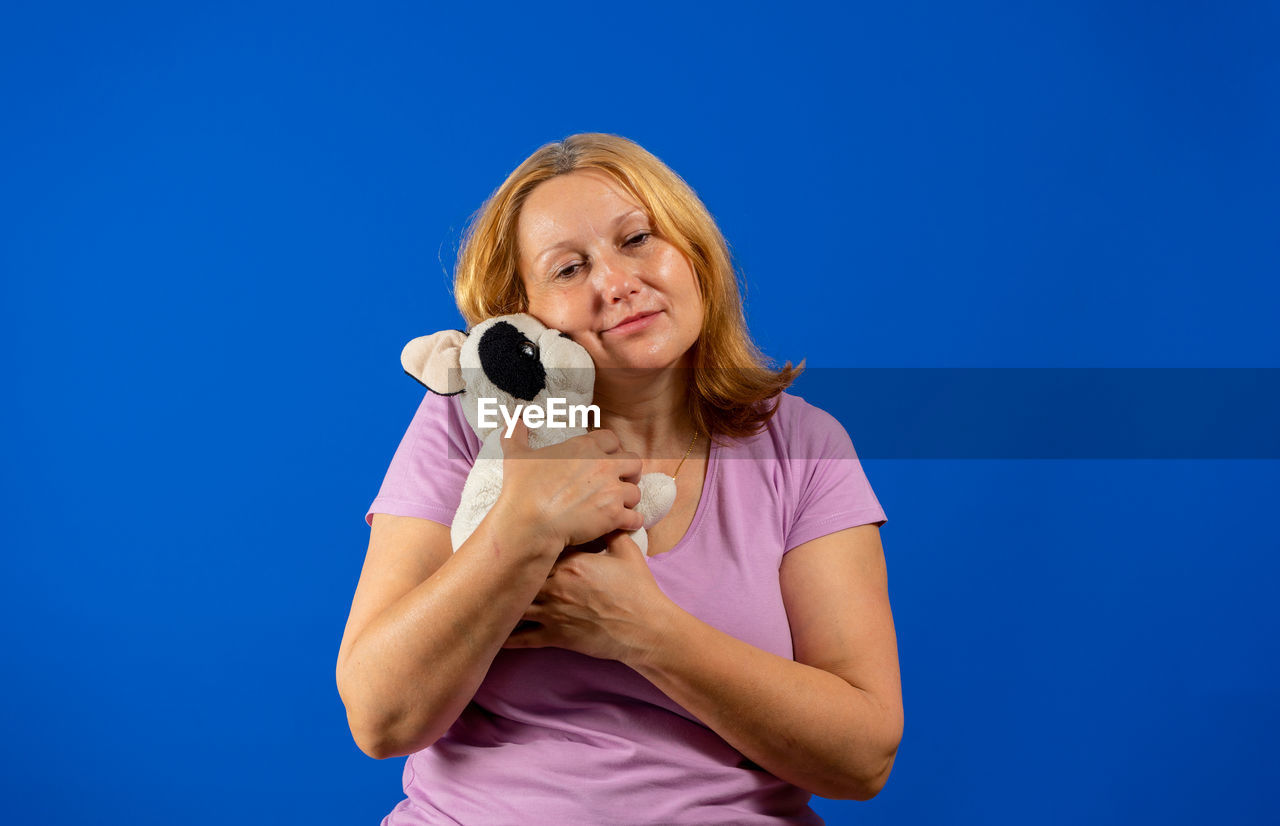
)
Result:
{"points": [[220, 222]]}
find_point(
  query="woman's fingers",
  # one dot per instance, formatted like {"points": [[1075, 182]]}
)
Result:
{"points": [[517, 444], [622, 544], [630, 494], [629, 466], [589, 484], [606, 440]]}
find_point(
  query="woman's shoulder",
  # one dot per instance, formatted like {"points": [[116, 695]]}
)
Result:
{"points": [[796, 409], [801, 417], [799, 429]]}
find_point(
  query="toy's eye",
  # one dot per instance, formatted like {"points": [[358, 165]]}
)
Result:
{"points": [[528, 349]]}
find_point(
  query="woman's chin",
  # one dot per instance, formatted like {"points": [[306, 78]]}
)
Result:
{"points": [[642, 355], [638, 368], [629, 371]]}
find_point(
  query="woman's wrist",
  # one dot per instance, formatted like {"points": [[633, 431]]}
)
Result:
{"points": [[517, 529], [655, 635]]}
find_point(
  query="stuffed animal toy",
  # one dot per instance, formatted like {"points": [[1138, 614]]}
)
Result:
{"points": [[508, 362]]}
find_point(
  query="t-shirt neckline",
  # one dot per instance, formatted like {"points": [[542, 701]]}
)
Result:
{"points": [[708, 490]]}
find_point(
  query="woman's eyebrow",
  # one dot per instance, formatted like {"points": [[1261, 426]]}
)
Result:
{"points": [[569, 241]]}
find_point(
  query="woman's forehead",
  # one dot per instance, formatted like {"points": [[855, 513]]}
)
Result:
{"points": [[578, 193], [564, 208]]}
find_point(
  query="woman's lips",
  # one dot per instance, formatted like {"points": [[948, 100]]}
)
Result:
{"points": [[635, 325]]}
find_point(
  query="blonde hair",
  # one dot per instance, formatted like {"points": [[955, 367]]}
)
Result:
{"points": [[732, 381]]}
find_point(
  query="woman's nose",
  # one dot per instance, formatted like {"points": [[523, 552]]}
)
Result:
{"points": [[617, 279]]}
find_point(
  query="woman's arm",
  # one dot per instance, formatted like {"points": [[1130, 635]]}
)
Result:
{"points": [[830, 721], [426, 623]]}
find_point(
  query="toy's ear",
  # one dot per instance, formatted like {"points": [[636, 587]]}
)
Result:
{"points": [[434, 361]]}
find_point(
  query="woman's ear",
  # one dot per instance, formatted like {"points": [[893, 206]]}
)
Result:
{"points": [[435, 361]]}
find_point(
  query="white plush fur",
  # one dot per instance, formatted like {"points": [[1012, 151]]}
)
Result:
{"points": [[449, 362]]}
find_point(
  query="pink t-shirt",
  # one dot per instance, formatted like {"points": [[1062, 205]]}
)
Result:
{"points": [[552, 736]]}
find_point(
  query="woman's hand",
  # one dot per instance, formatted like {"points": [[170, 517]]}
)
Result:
{"points": [[575, 491], [604, 605]]}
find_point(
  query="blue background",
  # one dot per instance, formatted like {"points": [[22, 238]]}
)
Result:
{"points": [[222, 221]]}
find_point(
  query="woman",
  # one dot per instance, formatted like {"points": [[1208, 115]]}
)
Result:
{"points": [[748, 662]]}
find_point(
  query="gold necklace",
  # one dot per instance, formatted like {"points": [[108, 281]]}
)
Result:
{"points": [[686, 455]]}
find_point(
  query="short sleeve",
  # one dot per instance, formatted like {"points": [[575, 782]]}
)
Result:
{"points": [[832, 492], [431, 464]]}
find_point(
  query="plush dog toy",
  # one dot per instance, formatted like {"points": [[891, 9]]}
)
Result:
{"points": [[507, 362]]}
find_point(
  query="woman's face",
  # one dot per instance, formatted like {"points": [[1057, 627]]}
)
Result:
{"points": [[592, 267]]}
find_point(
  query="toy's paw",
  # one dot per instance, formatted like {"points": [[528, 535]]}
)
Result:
{"points": [[657, 495], [641, 538]]}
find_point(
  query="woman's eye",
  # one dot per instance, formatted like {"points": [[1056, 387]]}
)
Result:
{"points": [[639, 238], [569, 271]]}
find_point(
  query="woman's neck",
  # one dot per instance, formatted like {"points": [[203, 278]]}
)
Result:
{"points": [[648, 411]]}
